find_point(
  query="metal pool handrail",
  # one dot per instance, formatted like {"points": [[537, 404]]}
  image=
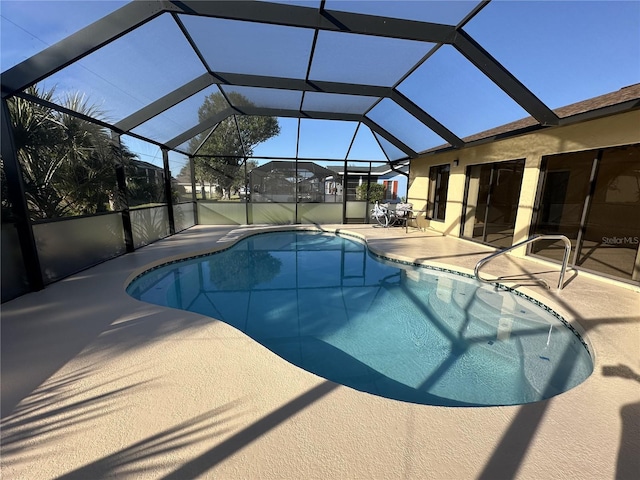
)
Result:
{"points": [[565, 260]]}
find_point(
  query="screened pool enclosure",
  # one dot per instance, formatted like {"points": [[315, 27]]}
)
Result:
{"points": [[129, 122]]}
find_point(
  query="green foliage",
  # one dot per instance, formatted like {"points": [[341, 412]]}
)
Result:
{"points": [[375, 193], [143, 192], [224, 151], [6, 214], [68, 164]]}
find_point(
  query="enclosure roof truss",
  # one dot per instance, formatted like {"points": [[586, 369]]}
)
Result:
{"points": [[325, 27]]}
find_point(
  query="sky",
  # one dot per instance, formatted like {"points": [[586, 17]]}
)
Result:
{"points": [[563, 51]]}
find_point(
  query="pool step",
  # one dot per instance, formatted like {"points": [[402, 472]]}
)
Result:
{"points": [[480, 326]]}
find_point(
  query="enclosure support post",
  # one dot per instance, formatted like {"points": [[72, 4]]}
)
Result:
{"points": [[16, 195], [367, 219], [344, 176], [296, 195], [247, 192], [168, 191], [122, 197], [344, 192], [194, 197]]}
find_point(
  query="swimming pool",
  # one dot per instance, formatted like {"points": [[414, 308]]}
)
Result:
{"points": [[325, 303]]}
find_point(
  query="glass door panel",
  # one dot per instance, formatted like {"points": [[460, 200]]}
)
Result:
{"points": [[478, 181], [506, 181], [565, 187], [492, 197], [594, 199], [612, 230]]}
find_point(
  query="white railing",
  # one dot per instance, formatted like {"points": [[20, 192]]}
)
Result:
{"points": [[565, 260]]}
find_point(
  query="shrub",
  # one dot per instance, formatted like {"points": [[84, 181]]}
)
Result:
{"points": [[375, 193]]}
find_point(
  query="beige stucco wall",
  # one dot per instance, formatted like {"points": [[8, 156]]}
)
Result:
{"points": [[611, 131]]}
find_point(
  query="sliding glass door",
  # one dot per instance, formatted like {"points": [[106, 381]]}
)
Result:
{"points": [[491, 202], [594, 199]]}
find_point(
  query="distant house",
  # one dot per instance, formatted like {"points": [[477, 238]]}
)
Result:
{"points": [[149, 172], [204, 190], [285, 181], [281, 181], [395, 180], [145, 182]]}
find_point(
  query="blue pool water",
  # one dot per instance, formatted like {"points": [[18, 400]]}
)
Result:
{"points": [[325, 303]]}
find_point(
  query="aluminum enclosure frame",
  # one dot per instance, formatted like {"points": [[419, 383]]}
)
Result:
{"points": [[138, 13]]}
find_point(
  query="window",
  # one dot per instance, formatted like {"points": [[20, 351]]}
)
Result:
{"points": [[438, 186]]}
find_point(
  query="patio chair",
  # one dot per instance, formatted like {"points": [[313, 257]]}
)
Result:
{"points": [[404, 214]]}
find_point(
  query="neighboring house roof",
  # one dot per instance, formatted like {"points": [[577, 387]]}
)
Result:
{"points": [[183, 178], [377, 171], [147, 165], [591, 108], [284, 165]]}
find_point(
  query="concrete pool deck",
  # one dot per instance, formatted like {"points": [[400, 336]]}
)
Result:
{"points": [[96, 384]]}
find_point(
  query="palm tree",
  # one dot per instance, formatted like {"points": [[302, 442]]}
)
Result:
{"points": [[68, 164], [87, 173], [37, 134]]}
